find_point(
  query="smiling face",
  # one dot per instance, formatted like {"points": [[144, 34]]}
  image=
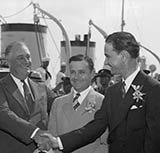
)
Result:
{"points": [[19, 60], [113, 59], [80, 75]]}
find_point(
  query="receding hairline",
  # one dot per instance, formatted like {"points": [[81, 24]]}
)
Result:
{"points": [[13, 46]]}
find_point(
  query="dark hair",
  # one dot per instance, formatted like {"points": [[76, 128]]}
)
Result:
{"points": [[124, 41], [81, 57]]}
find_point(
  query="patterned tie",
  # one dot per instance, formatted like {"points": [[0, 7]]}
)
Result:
{"points": [[76, 104], [123, 90], [28, 96]]}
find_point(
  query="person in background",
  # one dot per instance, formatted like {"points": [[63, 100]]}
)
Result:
{"points": [[45, 74], [130, 109], [66, 85], [35, 76], [65, 117], [61, 73], [23, 104], [103, 77]]}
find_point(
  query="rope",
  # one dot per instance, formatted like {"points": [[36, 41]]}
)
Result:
{"points": [[51, 35], [18, 11]]}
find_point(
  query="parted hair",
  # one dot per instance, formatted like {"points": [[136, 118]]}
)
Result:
{"points": [[124, 41], [81, 57]]}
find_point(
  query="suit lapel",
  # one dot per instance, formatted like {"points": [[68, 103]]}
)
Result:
{"points": [[11, 86], [67, 107], [81, 115], [125, 104]]}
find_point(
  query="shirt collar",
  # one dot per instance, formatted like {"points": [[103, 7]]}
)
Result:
{"points": [[83, 94], [130, 79], [18, 81]]}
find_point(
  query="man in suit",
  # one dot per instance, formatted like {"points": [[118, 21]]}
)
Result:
{"points": [[132, 114], [23, 111], [64, 117]]}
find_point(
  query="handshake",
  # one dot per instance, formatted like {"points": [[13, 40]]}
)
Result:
{"points": [[45, 141]]}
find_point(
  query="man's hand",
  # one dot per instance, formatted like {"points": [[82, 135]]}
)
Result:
{"points": [[53, 140], [43, 142]]}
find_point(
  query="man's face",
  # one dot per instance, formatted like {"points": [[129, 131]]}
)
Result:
{"points": [[20, 61], [113, 59], [80, 75], [104, 80]]}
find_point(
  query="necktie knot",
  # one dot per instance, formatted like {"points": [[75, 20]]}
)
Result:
{"points": [[76, 104], [76, 97]]}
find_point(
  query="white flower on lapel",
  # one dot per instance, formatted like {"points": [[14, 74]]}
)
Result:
{"points": [[91, 105], [137, 95]]}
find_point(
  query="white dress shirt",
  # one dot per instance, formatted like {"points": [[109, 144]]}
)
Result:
{"points": [[130, 79]]}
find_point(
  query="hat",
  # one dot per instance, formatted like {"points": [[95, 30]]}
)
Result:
{"points": [[63, 64], [66, 80], [104, 73], [36, 76], [45, 59]]}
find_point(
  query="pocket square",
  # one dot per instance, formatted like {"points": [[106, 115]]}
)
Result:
{"points": [[133, 107]]}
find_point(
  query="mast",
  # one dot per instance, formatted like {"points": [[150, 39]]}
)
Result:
{"points": [[88, 41], [67, 41], [122, 29], [122, 17]]}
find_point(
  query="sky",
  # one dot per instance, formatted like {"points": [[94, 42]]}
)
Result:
{"points": [[141, 18]]}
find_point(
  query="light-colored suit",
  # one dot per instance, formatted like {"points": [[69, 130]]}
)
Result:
{"points": [[63, 118], [16, 122]]}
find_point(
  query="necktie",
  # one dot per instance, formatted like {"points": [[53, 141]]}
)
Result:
{"points": [[28, 96], [123, 91], [76, 104]]}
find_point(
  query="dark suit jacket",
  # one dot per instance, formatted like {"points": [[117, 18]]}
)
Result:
{"points": [[134, 123], [16, 122]]}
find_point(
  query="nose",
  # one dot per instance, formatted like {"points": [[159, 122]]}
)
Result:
{"points": [[28, 61], [106, 61], [106, 64]]}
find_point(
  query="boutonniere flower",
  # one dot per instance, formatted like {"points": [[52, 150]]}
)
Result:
{"points": [[138, 94], [91, 105]]}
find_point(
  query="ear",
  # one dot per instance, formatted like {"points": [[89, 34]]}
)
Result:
{"points": [[125, 55], [93, 73]]}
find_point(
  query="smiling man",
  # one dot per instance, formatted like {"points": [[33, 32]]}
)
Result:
{"points": [[77, 108], [23, 104]]}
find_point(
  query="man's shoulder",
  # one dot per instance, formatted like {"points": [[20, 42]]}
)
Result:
{"points": [[93, 92], [63, 98], [6, 79], [98, 94]]}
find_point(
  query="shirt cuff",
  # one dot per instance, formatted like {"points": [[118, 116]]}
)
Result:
{"points": [[60, 143], [34, 133]]}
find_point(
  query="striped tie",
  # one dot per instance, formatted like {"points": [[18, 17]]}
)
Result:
{"points": [[76, 104]]}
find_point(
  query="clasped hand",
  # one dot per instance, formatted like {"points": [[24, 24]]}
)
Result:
{"points": [[45, 141]]}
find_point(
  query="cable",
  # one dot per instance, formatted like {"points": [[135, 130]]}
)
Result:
{"points": [[51, 35], [18, 11]]}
